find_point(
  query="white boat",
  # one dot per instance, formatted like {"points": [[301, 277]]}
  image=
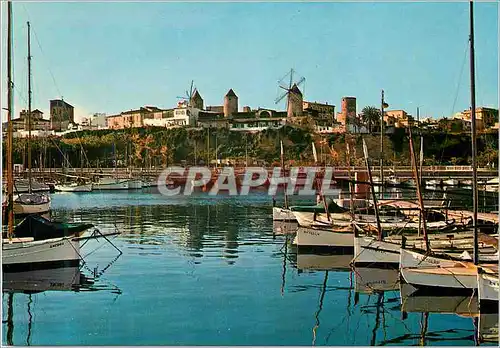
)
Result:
{"points": [[451, 182], [393, 180], [135, 184], [488, 285], [26, 252], [111, 184], [22, 186], [432, 183], [74, 188], [31, 203], [312, 237], [154, 183], [371, 251], [307, 219], [492, 185], [429, 272], [283, 214]]}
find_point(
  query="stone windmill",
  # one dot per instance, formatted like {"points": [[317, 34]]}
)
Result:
{"points": [[294, 96]]}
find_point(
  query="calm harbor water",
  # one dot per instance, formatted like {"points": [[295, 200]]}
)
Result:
{"points": [[204, 270]]}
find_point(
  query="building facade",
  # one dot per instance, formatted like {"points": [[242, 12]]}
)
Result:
{"points": [[322, 114], [134, 118], [61, 114], [38, 123], [485, 117]]}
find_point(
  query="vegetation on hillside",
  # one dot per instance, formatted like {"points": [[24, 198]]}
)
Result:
{"points": [[160, 147]]}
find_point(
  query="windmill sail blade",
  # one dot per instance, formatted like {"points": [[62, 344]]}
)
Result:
{"points": [[301, 81], [315, 154], [280, 98]]}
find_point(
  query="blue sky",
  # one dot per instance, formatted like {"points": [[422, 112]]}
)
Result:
{"points": [[115, 56]]}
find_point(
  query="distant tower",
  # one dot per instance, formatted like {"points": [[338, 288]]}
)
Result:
{"points": [[196, 100], [295, 102], [230, 103], [348, 110]]}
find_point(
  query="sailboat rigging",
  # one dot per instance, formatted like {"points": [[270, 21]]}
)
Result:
{"points": [[30, 203], [444, 272]]}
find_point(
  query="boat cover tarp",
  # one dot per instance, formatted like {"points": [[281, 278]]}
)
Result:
{"points": [[320, 208], [40, 228]]}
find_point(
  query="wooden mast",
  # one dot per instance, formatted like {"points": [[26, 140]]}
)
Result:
{"points": [[29, 110], [10, 84], [375, 203], [419, 192], [473, 135]]}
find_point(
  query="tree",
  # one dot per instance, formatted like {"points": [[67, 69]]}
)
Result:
{"points": [[370, 116]]}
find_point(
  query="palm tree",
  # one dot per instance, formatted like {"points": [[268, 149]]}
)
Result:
{"points": [[370, 116]]}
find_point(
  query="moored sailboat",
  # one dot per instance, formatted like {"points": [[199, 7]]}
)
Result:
{"points": [[30, 202], [447, 274]]}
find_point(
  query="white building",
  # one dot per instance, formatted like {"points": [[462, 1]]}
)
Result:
{"points": [[184, 116], [98, 121]]}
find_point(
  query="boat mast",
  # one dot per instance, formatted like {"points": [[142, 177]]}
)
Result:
{"points": [[473, 135], [29, 110], [417, 177], [374, 196], [382, 146], [10, 84]]}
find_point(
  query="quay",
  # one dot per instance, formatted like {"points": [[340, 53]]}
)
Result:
{"points": [[402, 172]]}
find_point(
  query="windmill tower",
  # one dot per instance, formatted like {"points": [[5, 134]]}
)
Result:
{"points": [[193, 98], [294, 96]]}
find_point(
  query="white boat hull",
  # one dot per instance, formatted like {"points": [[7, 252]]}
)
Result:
{"points": [[324, 238], [306, 219], [368, 251], [35, 203], [74, 188], [432, 272], [39, 252], [488, 286], [112, 185], [283, 214], [135, 184]]}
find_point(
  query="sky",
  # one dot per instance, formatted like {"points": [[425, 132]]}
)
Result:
{"points": [[116, 56]]}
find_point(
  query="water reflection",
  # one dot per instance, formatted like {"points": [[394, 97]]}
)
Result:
{"points": [[200, 230], [370, 280], [19, 285]]}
